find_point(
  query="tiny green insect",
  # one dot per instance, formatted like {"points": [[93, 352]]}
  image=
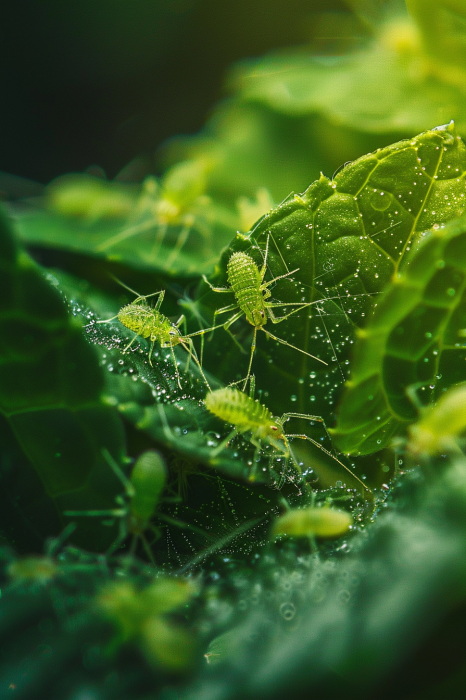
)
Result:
{"points": [[143, 492], [251, 294], [250, 416], [148, 322], [313, 521]]}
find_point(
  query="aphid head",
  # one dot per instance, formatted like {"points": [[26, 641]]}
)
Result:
{"points": [[174, 332], [272, 431]]}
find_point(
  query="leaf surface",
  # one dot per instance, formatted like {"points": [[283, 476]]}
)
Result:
{"points": [[343, 239], [415, 339]]}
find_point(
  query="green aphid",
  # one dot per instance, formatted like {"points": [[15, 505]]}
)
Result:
{"points": [[250, 416], [313, 521], [251, 294], [143, 491], [148, 322]]}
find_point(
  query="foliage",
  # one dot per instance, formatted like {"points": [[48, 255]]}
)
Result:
{"points": [[259, 559]]}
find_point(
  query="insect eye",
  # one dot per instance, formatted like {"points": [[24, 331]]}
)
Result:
{"points": [[274, 427]]}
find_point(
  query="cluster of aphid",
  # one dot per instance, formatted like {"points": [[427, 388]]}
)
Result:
{"points": [[247, 415]]}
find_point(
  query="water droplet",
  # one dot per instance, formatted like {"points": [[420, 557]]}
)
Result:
{"points": [[287, 611], [380, 200]]}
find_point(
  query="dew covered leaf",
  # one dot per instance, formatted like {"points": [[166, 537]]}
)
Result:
{"points": [[149, 397], [416, 338], [344, 238], [50, 392], [168, 225]]}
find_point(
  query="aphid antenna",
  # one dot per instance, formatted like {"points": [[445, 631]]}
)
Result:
{"points": [[264, 257], [133, 291]]}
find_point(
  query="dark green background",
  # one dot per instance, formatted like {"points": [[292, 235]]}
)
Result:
{"points": [[101, 82]]}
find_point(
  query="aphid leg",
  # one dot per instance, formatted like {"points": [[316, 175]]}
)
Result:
{"points": [[133, 341], [202, 349], [284, 342], [107, 320], [145, 544], [182, 320], [122, 535], [224, 443], [252, 386], [167, 431], [253, 348], [258, 449], [264, 264], [128, 486], [264, 285], [177, 373], [189, 347], [230, 321], [278, 319], [216, 289], [302, 436]]}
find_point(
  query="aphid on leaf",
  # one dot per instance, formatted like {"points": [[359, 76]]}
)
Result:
{"points": [[440, 425], [249, 416], [251, 294], [148, 322], [313, 521], [143, 491]]}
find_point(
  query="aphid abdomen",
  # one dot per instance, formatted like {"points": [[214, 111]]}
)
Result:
{"points": [[137, 318], [148, 479], [245, 279], [239, 409]]}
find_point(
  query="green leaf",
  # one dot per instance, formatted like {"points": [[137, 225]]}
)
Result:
{"points": [[50, 388], [344, 238], [443, 27], [415, 339], [391, 85]]}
